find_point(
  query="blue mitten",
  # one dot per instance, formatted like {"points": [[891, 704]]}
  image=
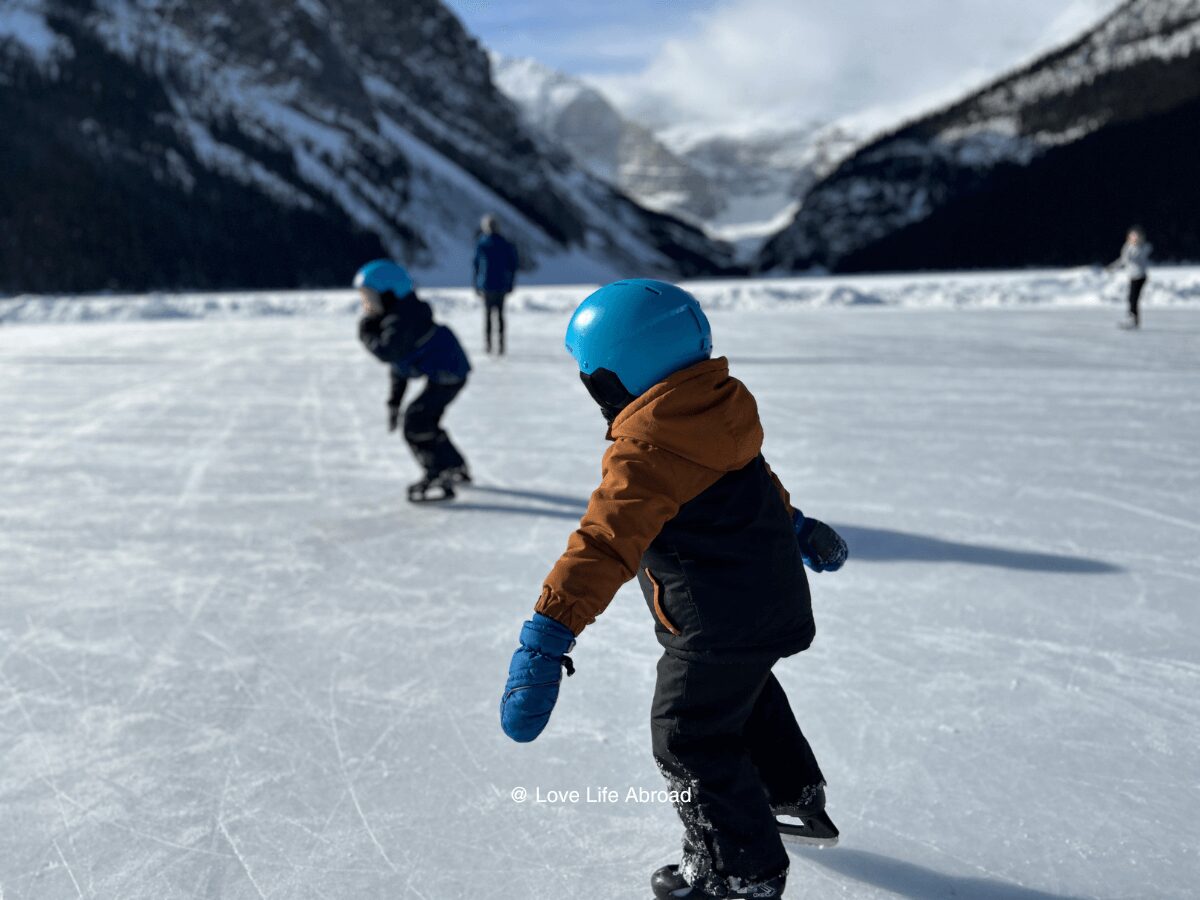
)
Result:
{"points": [[533, 677], [821, 547]]}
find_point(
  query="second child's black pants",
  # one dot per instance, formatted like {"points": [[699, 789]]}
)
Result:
{"points": [[726, 731], [423, 430]]}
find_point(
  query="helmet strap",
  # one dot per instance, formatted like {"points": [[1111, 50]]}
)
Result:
{"points": [[607, 390]]}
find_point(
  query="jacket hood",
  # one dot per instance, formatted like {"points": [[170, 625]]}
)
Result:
{"points": [[408, 305], [699, 413]]}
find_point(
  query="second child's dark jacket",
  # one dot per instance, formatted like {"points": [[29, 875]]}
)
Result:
{"points": [[688, 505], [406, 337]]}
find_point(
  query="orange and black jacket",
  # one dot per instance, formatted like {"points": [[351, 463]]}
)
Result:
{"points": [[689, 506]]}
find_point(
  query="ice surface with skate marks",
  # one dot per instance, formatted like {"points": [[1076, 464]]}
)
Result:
{"points": [[235, 663]]}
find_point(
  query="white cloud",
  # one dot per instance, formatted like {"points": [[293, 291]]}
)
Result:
{"points": [[795, 61]]}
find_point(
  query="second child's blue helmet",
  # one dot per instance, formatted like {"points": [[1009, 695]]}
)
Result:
{"points": [[630, 335], [382, 276]]}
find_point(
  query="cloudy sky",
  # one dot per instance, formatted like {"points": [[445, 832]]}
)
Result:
{"points": [[725, 61]]}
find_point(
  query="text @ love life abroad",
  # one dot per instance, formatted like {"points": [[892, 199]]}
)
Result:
{"points": [[599, 795]]}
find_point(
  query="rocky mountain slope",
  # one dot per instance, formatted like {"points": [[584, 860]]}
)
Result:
{"points": [[166, 143], [1048, 165]]}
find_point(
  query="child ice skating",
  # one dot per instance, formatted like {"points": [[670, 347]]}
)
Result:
{"points": [[399, 330], [688, 505]]}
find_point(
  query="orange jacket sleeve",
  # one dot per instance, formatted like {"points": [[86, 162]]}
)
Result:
{"points": [[642, 489]]}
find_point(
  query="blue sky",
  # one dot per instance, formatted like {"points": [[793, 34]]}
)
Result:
{"points": [[583, 38], [714, 61]]}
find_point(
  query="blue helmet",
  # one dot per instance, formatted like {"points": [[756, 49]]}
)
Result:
{"points": [[640, 330], [383, 275]]}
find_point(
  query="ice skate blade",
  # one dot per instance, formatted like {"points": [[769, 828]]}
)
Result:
{"points": [[802, 840], [815, 830], [438, 493]]}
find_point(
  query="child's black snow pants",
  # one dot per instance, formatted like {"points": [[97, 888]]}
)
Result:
{"points": [[423, 430], [725, 730]]}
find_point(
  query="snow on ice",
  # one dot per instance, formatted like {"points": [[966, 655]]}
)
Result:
{"points": [[1170, 286], [235, 663]]}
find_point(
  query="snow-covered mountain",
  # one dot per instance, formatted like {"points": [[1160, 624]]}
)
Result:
{"points": [[761, 172], [740, 183], [1047, 165], [581, 120], [154, 143]]}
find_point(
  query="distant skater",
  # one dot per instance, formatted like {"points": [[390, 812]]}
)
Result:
{"points": [[496, 264], [1134, 260], [398, 329]]}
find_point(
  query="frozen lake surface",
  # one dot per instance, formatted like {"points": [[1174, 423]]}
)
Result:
{"points": [[236, 664]]}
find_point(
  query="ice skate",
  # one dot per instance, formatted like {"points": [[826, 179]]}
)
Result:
{"points": [[456, 475], [668, 883], [805, 823], [431, 489], [811, 830]]}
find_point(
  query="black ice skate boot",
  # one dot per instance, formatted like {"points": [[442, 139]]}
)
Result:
{"points": [[433, 488], [456, 475], [805, 822], [668, 884]]}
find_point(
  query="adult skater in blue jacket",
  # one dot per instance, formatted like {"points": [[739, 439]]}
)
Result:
{"points": [[496, 263], [398, 329]]}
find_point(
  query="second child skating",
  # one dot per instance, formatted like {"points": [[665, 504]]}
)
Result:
{"points": [[398, 329]]}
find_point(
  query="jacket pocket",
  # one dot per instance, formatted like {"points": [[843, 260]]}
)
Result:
{"points": [[656, 603]]}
